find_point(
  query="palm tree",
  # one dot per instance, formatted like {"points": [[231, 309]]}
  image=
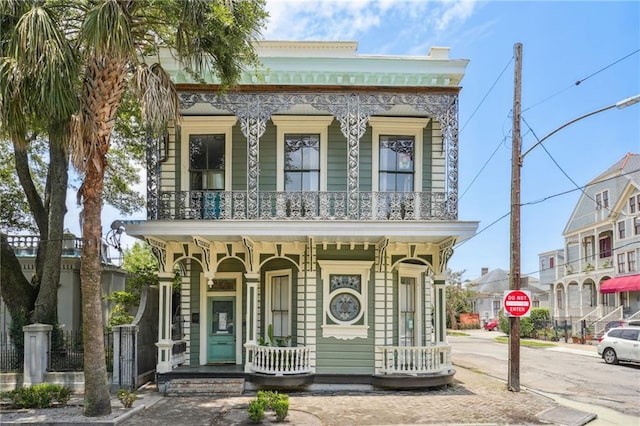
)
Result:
{"points": [[114, 38], [207, 36], [38, 76]]}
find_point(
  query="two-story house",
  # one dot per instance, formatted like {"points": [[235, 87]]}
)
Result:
{"points": [[599, 279], [311, 212]]}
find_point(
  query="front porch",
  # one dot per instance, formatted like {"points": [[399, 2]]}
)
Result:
{"points": [[400, 367]]}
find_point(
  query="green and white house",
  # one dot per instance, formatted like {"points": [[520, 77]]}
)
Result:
{"points": [[311, 211]]}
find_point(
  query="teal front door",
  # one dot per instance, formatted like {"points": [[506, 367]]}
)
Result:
{"points": [[221, 329]]}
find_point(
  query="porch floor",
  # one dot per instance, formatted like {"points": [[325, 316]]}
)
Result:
{"points": [[235, 371]]}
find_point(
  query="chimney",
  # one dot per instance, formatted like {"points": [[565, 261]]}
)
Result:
{"points": [[484, 271]]}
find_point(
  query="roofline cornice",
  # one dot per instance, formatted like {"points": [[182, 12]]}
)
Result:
{"points": [[263, 88]]}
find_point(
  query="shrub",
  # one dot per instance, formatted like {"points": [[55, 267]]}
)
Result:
{"points": [[256, 410], [281, 407], [39, 396], [269, 400], [126, 398]]}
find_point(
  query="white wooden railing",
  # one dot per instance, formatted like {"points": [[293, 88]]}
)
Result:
{"points": [[278, 361], [414, 360]]}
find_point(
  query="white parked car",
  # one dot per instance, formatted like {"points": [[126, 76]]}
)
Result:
{"points": [[620, 344]]}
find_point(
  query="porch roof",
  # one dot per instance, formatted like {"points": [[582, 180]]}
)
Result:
{"points": [[343, 232], [621, 284]]}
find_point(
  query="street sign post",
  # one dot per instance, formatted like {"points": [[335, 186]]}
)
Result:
{"points": [[517, 303]]}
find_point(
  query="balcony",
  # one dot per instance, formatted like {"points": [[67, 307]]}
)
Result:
{"points": [[233, 205]]}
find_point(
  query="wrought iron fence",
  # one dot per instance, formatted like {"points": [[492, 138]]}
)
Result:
{"points": [[68, 353], [310, 205], [11, 359]]}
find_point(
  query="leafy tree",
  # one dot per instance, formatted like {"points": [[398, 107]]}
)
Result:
{"points": [[78, 59], [459, 298]]}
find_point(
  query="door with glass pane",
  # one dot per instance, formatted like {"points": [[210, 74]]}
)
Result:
{"points": [[207, 175], [221, 329], [407, 308], [280, 310]]}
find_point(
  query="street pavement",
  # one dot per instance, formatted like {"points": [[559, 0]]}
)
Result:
{"points": [[474, 399]]}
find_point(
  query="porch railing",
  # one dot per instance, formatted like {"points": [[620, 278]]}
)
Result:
{"points": [[225, 205], [414, 360], [278, 361]]}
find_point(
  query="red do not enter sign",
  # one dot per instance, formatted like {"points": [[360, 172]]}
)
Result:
{"points": [[517, 303]]}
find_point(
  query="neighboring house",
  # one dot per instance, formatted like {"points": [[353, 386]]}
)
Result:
{"points": [[599, 279], [491, 286], [315, 208], [113, 278]]}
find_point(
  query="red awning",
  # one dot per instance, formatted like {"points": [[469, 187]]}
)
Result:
{"points": [[620, 284]]}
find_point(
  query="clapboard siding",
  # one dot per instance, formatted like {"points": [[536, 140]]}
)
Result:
{"points": [[336, 159], [238, 160]]}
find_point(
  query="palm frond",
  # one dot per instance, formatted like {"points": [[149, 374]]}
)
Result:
{"points": [[47, 62], [107, 30], [158, 96]]}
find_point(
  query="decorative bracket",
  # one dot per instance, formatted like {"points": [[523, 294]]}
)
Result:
{"points": [[249, 245], [159, 250], [446, 251], [382, 253]]}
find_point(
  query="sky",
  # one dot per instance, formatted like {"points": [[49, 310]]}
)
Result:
{"points": [[564, 42]]}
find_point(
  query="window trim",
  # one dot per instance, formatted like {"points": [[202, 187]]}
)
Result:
{"points": [[397, 126], [344, 330], [306, 125], [268, 317], [211, 125]]}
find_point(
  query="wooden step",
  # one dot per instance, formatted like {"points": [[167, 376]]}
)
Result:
{"points": [[205, 387]]}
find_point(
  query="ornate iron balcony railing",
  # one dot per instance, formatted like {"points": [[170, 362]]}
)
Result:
{"points": [[226, 205]]}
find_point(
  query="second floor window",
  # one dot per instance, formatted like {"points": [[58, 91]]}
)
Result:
{"points": [[206, 162], [302, 162], [605, 247], [631, 261], [621, 263], [396, 163], [636, 225]]}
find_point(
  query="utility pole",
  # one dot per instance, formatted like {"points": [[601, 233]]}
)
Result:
{"points": [[513, 382]]}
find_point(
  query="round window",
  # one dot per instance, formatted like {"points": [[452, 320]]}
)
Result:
{"points": [[345, 307]]}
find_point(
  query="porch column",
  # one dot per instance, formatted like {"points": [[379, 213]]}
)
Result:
{"points": [[165, 342], [253, 280], [251, 316], [440, 312]]}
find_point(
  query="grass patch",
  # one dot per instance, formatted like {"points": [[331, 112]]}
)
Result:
{"points": [[456, 333], [527, 343]]}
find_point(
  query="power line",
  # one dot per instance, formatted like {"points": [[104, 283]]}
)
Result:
{"points": [[483, 167], [486, 94], [577, 83]]}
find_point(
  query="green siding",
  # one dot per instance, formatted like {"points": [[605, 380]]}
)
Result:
{"points": [[366, 147], [268, 155], [238, 160], [178, 151], [336, 158], [354, 356], [427, 156]]}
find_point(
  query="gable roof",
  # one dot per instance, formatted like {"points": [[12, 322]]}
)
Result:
{"points": [[622, 173], [496, 281]]}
